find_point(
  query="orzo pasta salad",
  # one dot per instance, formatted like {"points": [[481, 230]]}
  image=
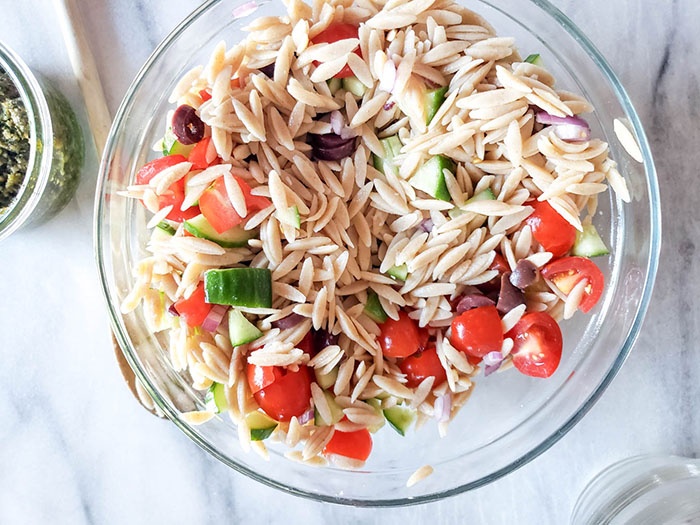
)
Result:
{"points": [[359, 209]]}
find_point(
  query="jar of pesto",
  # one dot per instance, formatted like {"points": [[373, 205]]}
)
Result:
{"points": [[41, 147]]}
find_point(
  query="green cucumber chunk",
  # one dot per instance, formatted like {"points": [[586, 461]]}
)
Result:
{"points": [[373, 308], [247, 287], [398, 272], [326, 380], [168, 140], [400, 418], [166, 228], [180, 149], [291, 217], [334, 84], [377, 405], [241, 331], [236, 237], [336, 412], [260, 425], [215, 399], [486, 195], [354, 86], [392, 147], [535, 60], [431, 179], [588, 243], [433, 99]]}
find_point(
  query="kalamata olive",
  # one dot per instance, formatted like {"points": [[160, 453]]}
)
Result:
{"points": [[330, 140], [342, 150], [291, 320], [268, 70], [524, 275], [509, 297], [322, 339], [187, 126], [473, 301]]}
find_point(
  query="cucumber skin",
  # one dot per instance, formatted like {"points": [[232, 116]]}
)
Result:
{"points": [[247, 287], [373, 308], [259, 434], [535, 60], [164, 226], [433, 100]]}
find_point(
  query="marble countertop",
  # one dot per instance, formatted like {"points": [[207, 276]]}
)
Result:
{"points": [[76, 448]]}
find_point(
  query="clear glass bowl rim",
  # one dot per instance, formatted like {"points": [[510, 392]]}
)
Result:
{"points": [[37, 109], [651, 270]]}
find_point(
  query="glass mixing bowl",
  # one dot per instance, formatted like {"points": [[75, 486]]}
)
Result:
{"points": [[511, 418]]}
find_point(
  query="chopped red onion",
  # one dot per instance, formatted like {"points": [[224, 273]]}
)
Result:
{"points": [[306, 416], [427, 225], [291, 320], [569, 129], [337, 122], [213, 320], [245, 9], [388, 78], [389, 105], [172, 310], [443, 407], [493, 358], [490, 369]]}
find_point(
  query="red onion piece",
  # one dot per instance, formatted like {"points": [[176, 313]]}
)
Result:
{"points": [[187, 126], [172, 310], [306, 416], [288, 322], [569, 129], [213, 320], [490, 369], [427, 225], [493, 358], [389, 105], [470, 301], [337, 122], [443, 407], [245, 9]]}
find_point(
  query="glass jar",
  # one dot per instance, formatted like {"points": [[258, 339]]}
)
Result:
{"points": [[642, 490], [56, 153]]}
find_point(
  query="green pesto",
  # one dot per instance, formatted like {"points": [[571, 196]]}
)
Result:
{"points": [[14, 141]]}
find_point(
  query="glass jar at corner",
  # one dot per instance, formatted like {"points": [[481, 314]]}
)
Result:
{"points": [[642, 490], [55, 153]]}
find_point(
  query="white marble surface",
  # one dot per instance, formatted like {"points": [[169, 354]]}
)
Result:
{"points": [[74, 446]]}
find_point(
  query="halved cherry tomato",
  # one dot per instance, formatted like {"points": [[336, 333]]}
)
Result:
{"points": [[218, 210], [194, 309], [423, 337], [399, 338], [568, 272], [537, 344], [550, 229], [478, 331], [260, 377], [198, 155], [175, 194], [355, 445], [336, 32], [288, 394], [499, 263], [204, 95], [421, 365], [307, 344]]}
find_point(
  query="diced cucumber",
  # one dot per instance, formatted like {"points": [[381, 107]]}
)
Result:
{"points": [[216, 398], [398, 272], [486, 195], [431, 179], [588, 243], [159, 234], [334, 84], [326, 380], [247, 287], [261, 425], [400, 418], [171, 146], [336, 412], [354, 86], [377, 405], [535, 60], [241, 331], [236, 237], [180, 149], [373, 308], [392, 147], [290, 216], [166, 228], [432, 100]]}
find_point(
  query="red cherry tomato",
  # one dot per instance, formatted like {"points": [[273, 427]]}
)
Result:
{"points": [[336, 32], [478, 331], [194, 309], [550, 229], [175, 194], [399, 338], [421, 365], [218, 210], [537, 344], [499, 263], [281, 393], [204, 95], [307, 344], [355, 445], [568, 272], [198, 155]]}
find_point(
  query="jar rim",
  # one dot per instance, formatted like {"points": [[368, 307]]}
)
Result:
{"points": [[41, 132]]}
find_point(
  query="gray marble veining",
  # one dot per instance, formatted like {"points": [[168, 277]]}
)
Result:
{"points": [[75, 448]]}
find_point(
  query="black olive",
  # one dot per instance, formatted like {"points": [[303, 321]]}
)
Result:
{"points": [[268, 70], [524, 275], [474, 300], [187, 126], [509, 297]]}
